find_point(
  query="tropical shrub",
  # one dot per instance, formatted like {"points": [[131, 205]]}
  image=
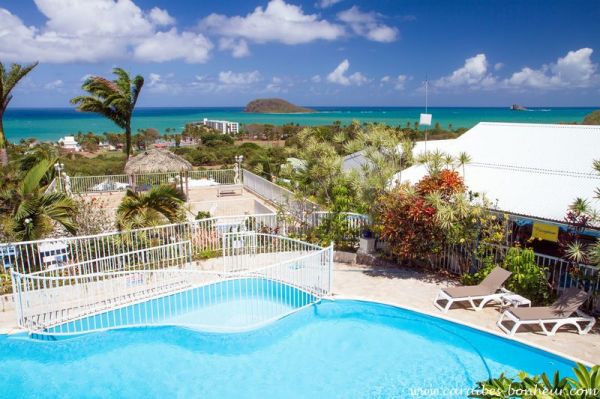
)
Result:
{"points": [[202, 215], [527, 278], [585, 384], [160, 205], [407, 222], [91, 216], [446, 183], [31, 213]]}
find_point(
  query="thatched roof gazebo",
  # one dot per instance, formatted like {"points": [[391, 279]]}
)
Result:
{"points": [[157, 161]]}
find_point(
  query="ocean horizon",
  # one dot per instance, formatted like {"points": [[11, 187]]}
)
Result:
{"points": [[50, 124]]}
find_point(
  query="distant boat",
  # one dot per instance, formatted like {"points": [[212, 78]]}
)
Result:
{"points": [[517, 107]]}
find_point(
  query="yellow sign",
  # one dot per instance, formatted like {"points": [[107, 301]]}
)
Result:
{"points": [[546, 232]]}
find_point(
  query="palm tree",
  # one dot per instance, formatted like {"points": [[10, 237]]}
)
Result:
{"points": [[114, 99], [8, 81], [463, 159], [162, 204], [35, 211]]}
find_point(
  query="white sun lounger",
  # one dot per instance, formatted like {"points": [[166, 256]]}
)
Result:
{"points": [[565, 311], [489, 290]]}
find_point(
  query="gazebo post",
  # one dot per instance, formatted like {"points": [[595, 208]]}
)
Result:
{"points": [[187, 185]]}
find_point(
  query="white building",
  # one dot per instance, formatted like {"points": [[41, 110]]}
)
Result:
{"points": [[531, 170], [225, 127], [69, 143]]}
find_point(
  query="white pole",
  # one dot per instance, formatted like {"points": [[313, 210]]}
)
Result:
{"points": [[426, 106]]}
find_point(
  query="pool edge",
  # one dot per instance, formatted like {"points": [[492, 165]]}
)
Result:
{"points": [[466, 324]]}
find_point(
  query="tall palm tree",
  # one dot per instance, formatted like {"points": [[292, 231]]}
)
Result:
{"points": [[162, 204], [8, 81], [34, 211], [114, 99]]}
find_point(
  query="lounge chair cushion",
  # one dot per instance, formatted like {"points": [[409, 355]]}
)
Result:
{"points": [[468, 291], [539, 313]]}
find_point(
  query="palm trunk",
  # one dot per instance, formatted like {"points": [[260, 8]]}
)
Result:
{"points": [[3, 153], [127, 141]]}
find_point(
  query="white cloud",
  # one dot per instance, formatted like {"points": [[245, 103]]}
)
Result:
{"points": [[239, 79], [57, 84], [170, 45], [498, 66], [367, 24], [327, 3], [473, 74], [575, 69], [97, 30], [398, 82], [161, 17], [276, 85], [338, 76], [277, 22], [316, 79], [239, 48]]}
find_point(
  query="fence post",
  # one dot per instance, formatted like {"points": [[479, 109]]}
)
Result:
{"points": [[330, 288]]}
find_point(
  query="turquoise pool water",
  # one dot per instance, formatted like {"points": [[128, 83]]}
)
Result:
{"points": [[224, 306], [340, 349]]}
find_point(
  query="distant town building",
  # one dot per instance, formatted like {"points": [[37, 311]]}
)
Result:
{"points": [[225, 127], [69, 143]]}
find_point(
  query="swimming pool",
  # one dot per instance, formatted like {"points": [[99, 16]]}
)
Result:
{"points": [[334, 349]]}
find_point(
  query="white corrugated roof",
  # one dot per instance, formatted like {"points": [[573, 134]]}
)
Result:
{"points": [[527, 169]]}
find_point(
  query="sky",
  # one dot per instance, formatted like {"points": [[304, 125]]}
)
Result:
{"points": [[313, 53]]}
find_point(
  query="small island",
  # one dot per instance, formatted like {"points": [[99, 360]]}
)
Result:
{"points": [[518, 107], [274, 106]]}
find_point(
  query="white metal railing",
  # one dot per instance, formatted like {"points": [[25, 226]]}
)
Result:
{"points": [[277, 194], [247, 249], [355, 221], [562, 274], [106, 183], [166, 288], [143, 181], [204, 235]]}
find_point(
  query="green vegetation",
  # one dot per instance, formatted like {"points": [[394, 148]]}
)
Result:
{"points": [[585, 384], [160, 205], [527, 279], [274, 106], [113, 99], [8, 81], [592, 118], [110, 163], [29, 212]]}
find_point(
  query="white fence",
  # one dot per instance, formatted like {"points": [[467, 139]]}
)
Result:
{"points": [[278, 195], [204, 235], [562, 274], [144, 181], [164, 287]]}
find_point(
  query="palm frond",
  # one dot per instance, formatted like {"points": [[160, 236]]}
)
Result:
{"points": [[31, 181]]}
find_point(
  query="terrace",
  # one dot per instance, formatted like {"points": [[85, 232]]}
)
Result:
{"points": [[243, 257]]}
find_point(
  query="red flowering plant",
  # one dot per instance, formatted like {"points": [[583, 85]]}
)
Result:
{"points": [[417, 221], [407, 216]]}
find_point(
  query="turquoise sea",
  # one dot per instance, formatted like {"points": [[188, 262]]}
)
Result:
{"points": [[49, 124]]}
